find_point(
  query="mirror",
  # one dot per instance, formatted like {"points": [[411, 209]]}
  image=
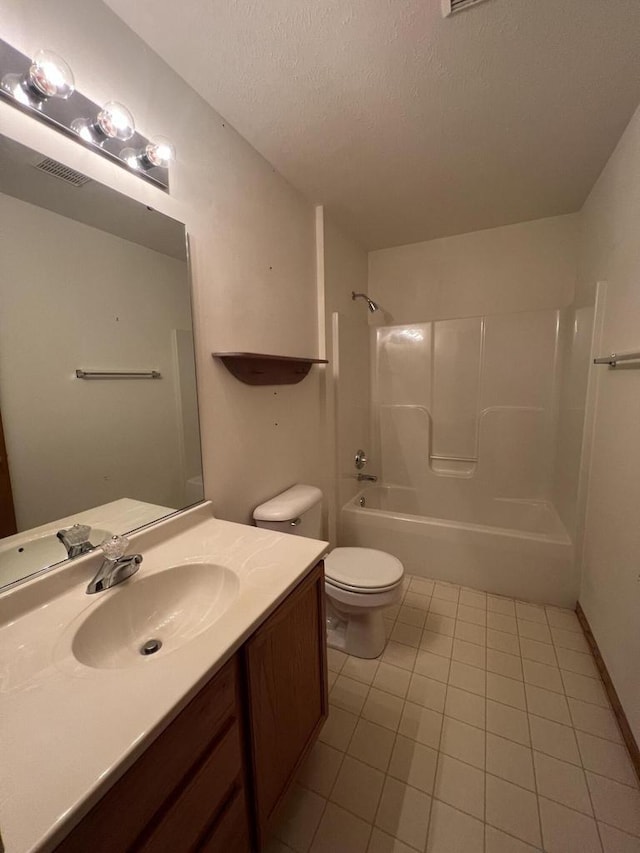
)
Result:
{"points": [[90, 281]]}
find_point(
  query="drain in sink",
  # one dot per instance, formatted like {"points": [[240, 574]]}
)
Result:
{"points": [[150, 647]]}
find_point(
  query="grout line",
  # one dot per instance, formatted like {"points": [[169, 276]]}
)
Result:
{"points": [[533, 764]]}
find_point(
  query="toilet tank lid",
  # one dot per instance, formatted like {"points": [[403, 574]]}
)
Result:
{"points": [[288, 505]]}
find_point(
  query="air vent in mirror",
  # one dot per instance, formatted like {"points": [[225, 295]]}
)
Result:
{"points": [[450, 7], [58, 170]]}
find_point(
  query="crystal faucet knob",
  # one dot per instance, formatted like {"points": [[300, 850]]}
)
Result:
{"points": [[115, 547]]}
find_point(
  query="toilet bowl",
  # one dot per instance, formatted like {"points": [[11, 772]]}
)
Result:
{"points": [[359, 582]]}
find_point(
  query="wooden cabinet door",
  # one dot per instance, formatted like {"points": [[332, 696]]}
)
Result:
{"points": [[286, 676]]}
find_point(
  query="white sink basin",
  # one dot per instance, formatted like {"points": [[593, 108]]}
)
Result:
{"points": [[25, 558], [173, 606]]}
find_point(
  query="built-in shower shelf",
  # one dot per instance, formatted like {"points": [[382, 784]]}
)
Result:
{"points": [[255, 368]]}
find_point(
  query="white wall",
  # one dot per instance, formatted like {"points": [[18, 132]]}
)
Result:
{"points": [[610, 594], [86, 299], [526, 267], [252, 244]]}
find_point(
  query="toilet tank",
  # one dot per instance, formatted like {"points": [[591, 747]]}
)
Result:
{"points": [[298, 511]]}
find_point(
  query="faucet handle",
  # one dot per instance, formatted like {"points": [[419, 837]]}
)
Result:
{"points": [[115, 547]]}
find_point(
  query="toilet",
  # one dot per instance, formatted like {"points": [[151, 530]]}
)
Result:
{"points": [[359, 582]]}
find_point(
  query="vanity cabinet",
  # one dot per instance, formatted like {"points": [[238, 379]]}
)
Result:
{"points": [[213, 780]]}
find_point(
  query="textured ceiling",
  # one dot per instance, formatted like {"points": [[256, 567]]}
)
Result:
{"points": [[408, 126]]}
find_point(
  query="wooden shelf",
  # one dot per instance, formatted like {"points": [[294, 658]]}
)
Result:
{"points": [[256, 368]]}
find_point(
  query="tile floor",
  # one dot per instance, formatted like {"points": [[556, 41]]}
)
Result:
{"points": [[483, 728]]}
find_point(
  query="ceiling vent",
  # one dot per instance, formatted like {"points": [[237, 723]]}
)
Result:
{"points": [[58, 170], [450, 7]]}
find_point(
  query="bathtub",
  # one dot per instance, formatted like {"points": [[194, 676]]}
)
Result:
{"points": [[518, 548]]}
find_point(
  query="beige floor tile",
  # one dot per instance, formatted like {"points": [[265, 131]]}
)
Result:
{"points": [[561, 782], [468, 678], [567, 831], [440, 624], [319, 771], [585, 688], [469, 653], [412, 615], [497, 841], [615, 804], [427, 692], [348, 694], [468, 707], [616, 841], [416, 599], [462, 741], [501, 622], [460, 786], [554, 739], [383, 708], [300, 818], [544, 703], [606, 758], [443, 607], [391, 612], [338, 729], [504, 664], [393, 679], [331, 678], [541, 675], [372, 744], [577, 662], [388, 627], [472, 615], [531, 612], [594, 720], [437, 644], [413, 763], [513, 809], [358, 788], [340, 830], [541, 652], [404, 813], [382, 842], [361, 669], [421, 585], [335, 659], [451, 830], [503, 642], [507, 722], [432, 666], [505, 606], [408, 634], [421, 724], [506, 690], [570, 640], [471, 598], [565, 619], [510, 761], [534, 631], [450, 592], [397, 654], [471, 633]]}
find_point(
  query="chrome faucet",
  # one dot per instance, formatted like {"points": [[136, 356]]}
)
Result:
{"points": [[367, 478], [115, 567], [76, 539]]}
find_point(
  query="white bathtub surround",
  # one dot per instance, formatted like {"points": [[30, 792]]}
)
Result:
{"points": [[468, 737], [503, 546], [65, 734]]}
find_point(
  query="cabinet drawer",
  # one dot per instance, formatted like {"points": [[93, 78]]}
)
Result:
{"points": [[132, 803], [230, 834], [200, 803]]}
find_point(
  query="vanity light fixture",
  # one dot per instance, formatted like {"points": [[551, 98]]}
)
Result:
{"points": [[44, 87]]}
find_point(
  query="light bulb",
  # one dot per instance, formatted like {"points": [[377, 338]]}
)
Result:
{"points": [[116, 122], [160, 152], [50, 76]]}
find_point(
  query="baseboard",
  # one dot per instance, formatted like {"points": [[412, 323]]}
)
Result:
{"points": [[618, 710]]}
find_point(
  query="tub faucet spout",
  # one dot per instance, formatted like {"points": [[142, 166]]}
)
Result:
{"points": [[366, 478]]}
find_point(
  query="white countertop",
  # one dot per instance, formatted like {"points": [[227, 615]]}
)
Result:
{"points": [[68, 731]]}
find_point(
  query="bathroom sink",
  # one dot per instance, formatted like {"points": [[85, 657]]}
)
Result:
{"points": [[160, 612]]}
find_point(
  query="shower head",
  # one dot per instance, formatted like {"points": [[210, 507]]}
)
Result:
{"points": [[372, 305]]}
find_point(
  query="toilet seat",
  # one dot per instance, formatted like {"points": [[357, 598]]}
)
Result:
{"points": [[362, 570]]}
